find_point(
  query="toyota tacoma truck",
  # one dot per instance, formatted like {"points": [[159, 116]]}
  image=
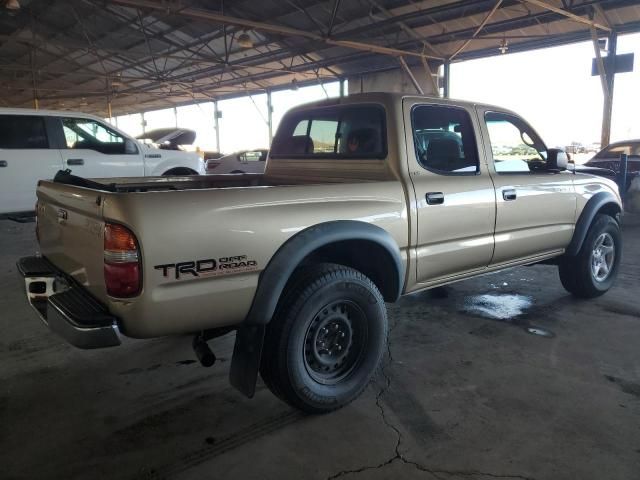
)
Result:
{"points": [[363, 199]]}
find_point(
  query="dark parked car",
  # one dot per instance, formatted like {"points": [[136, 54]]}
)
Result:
{"points": [[609, 157]]}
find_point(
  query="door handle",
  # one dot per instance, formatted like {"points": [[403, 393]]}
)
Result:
{"points": [[509, 194], [435, 198], [3, 163], [75, 161]]}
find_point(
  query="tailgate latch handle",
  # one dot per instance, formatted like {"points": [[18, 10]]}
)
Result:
{"points": [[75, 161], [3, 163]]}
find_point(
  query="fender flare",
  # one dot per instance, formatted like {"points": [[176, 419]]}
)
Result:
{"points": [[289, 256], [247, 350], [589, 212]]}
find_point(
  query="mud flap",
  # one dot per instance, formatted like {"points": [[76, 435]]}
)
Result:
{"points": [[245, 363]]}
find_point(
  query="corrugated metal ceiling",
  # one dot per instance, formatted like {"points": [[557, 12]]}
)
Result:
{"points": [[142, 55]]}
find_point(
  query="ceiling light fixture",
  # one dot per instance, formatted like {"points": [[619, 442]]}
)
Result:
{"points": [[504, 46], [244, 40], [13, 5]]}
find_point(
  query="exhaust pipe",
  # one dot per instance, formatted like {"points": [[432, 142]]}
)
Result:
{"points": [[206, 357]]}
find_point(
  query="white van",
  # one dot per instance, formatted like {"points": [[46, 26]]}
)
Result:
{"points": [[35, 144]]}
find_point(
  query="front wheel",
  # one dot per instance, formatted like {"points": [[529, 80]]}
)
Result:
{"points": [[326, 340], [593, 270]]}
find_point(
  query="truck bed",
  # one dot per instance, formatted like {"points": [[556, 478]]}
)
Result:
{"points": [[199, 218], [285, 172], [164, 183]]}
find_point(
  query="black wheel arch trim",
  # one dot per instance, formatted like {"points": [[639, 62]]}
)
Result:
{"points": [[594, 205], [291, 254], [250, 336], [173, 170]]}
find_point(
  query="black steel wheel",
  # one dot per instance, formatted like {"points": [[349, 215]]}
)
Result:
{"points": [[326, 340], [334, 342]]}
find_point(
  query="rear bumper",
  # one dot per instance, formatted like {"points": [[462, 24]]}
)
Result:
{"points": [[66, 307]]}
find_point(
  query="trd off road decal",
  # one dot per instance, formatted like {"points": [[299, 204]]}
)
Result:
{"points": [[208, 267]]}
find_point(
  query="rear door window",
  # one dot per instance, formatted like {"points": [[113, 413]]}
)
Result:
{"points": [[22, 131], [345, 131], [444, 140]]}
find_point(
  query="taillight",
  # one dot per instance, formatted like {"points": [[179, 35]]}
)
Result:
{"points": [[122, 275]]}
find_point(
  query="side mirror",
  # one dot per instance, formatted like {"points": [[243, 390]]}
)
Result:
{"points": [[557, 160]]}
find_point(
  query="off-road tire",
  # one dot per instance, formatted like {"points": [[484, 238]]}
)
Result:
{"points": [[318, 295], [576, 272]]}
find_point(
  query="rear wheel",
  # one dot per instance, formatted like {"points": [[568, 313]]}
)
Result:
{"points": [[326, 340], [593, 270], [179, 171]]}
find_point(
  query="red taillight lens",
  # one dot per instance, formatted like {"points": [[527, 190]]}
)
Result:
{"points": [[121, 262], [122, 279]]}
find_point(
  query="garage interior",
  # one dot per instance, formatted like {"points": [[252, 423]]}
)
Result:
{"points": [[503, 376]]}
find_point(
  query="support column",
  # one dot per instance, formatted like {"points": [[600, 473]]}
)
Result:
{"points": [[270, 116], [175, 116], [610, 70], [143, 123], [216, 116], [341, 87], [446, 77], [36, 104]]}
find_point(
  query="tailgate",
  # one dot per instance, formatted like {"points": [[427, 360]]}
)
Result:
{"points": [[71, 231]]}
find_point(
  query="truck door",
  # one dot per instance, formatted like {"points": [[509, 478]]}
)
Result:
{"points": [[25, 157], [94, 150], [454, 196], [535, 208]]}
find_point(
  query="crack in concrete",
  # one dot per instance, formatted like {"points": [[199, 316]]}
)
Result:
{"points": [[398, 456]]}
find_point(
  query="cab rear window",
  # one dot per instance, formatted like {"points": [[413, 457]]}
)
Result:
{"points": [[345, 131]]}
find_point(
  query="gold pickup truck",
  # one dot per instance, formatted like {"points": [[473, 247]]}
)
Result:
{"points": [[363, 199]]}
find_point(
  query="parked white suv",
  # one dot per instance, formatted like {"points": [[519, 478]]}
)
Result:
{"points": [[35, 144]]}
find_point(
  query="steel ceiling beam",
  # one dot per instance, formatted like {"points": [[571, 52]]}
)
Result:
{"points": [[209, 16], [506, 25], [571, 16], [478, 30]]}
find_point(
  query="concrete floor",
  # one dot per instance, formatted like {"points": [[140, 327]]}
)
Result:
{"points": [[462, 396]]}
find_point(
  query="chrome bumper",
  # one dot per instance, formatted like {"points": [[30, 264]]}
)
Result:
{"points": [[67, 308]]}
